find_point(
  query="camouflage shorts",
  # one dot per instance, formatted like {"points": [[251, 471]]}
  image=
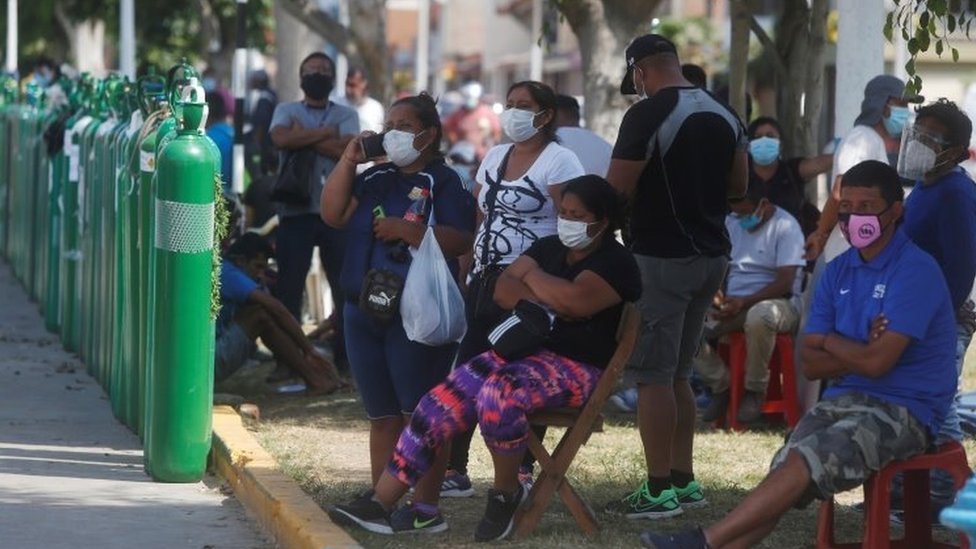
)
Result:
{"points": [[847, 438]]}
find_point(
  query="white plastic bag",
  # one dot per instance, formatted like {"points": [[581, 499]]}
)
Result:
{"points": [[431, 306]]}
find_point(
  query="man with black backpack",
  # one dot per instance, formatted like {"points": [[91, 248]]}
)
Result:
{"points": [[310, 135]]}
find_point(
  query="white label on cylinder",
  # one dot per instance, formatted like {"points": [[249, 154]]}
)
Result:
{"points": [[147, 162]]}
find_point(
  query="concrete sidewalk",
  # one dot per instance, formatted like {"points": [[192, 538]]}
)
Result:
{"points": [[71, 475]]}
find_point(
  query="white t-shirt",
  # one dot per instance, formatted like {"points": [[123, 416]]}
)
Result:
{"points": [[592, 150], [371, 113], [756, 255], [860, 144], [524, 209]]}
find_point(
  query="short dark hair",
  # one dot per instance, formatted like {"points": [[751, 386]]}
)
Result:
{"points": [[958, 126], [874, 174], [568, 104], [695, 74], [425, 107], [546, 98], [756, 191], [249, 246], [599, 198], [763, 121], [356, 70], [216, 105], [316, 55]]}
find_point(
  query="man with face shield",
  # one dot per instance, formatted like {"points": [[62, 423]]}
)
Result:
{"points": [[875, 136], [940, 217], [319, 124]]}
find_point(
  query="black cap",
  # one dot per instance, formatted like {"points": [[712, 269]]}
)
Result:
{"points": [[641, 47]]}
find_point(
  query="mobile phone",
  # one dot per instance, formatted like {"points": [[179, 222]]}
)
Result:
{"points": [[373, 146], [379, 212]]}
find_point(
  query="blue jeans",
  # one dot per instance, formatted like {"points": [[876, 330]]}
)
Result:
{"points": [[941, 483], [297, 235]]}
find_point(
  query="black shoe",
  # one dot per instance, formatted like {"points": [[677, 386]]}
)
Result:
{"points": [[363, 512], [717, 407], [408, 520], [499, 515], [750, 408]]}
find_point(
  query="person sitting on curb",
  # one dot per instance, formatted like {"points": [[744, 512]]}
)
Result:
{"points": [[761, 297], [248, 312], [882, 327]]}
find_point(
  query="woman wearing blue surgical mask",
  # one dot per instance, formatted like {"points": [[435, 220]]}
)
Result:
{"points": [[785, 179], [383, 210]]}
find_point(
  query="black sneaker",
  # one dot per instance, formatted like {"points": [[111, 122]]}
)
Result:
{"points": [[408, 520], [499, 515], [363, 512], [688, 539], [717, 407]]}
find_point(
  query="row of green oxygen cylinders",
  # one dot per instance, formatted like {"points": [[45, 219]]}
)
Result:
{"points": [[108, 208]]}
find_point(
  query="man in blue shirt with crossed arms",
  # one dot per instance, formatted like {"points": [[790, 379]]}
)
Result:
{"points": [[882, 327]]}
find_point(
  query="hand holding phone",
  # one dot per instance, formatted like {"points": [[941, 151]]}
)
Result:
{"points": [[373, 146]]}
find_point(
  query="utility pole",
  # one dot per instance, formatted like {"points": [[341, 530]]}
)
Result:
{"points": [[127, 38], [423, 45], [237, 83], [535, 53], [11, 64]]}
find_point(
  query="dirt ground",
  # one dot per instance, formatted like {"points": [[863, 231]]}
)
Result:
{"points": [[321, 442]]}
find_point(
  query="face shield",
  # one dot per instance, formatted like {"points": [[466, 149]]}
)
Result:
{"points": [[919, 152]]}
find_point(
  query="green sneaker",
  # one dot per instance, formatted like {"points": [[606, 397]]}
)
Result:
{"points": [[640, 504], [691, 496]]}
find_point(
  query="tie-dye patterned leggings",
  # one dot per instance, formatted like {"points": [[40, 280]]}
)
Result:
{"points": [[499, 395]]}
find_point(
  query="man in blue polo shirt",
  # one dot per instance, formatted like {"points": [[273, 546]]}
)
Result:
{"points": [[891, 387]]}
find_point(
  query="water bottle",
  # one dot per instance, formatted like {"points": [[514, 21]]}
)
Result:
{"points": [[416, 213]]}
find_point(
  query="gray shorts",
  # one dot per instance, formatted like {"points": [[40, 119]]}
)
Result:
{"points": [[676, 294], [845, 439], [232, 349]]}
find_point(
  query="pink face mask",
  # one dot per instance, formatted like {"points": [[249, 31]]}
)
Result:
{"points": [[861, 230]]}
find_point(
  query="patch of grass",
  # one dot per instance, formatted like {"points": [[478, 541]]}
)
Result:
{"points": [[322, 444]]}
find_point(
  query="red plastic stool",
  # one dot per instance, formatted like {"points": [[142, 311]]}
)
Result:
{"points": [[918, 524], [780, 392]]}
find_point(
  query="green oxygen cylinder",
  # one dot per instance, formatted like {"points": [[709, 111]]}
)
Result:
{"points": [[74, 131], [85, 228], [52, 286], [127, 272], [147, 171], [181, 375]]}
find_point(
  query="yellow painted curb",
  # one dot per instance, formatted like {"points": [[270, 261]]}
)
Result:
{"points": [[284, 510]]}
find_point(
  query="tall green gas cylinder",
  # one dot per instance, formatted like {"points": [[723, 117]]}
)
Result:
{"points": [[181, 374], [71, 316]]}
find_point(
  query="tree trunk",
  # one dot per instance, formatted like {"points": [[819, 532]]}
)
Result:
{"points": [[739, 56], [87, 39], [800, 42], [293, 41], [363, 42], [603, 30]]}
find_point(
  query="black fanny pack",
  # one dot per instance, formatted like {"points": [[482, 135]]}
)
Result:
{"points": [[380, 295]]}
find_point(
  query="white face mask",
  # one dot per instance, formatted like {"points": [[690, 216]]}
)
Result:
{"points": [[518, 124], [399, 147], [573, 233]]}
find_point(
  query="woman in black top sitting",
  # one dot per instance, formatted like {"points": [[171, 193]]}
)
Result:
{"points": [[582, 277], [785, 179]]}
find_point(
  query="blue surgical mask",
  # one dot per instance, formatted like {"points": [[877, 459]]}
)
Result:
{"points": [[894, 123], [751, 221], [764, 150]]}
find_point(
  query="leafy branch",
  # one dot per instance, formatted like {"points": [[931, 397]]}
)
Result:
{"points": [[927, 24]]}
